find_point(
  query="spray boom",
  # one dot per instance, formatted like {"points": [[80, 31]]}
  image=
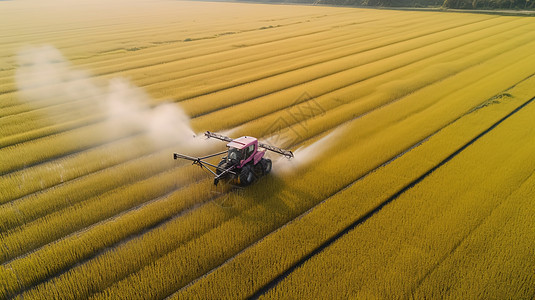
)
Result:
{"points": [[278, 150]]}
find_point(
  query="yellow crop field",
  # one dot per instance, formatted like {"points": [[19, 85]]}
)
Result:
{"points": [[412, 132]]}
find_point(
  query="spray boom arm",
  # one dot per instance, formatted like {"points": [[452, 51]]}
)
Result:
{"points": [[286, 153]]}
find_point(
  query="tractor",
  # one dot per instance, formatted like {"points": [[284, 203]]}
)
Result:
{"points": [[243, 162]]}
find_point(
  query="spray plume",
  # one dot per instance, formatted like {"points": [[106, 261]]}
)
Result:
{"points": [[45, 78], [304, 155]]}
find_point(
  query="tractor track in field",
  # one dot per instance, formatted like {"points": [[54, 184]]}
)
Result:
{"points": [[372, 212], [462, 240]]}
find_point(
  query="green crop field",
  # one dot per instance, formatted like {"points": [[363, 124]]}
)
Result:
{"points": [[413, 134]]}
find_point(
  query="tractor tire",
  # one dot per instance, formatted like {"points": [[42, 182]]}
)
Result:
{"points": [[266, 165], [246, 176]]}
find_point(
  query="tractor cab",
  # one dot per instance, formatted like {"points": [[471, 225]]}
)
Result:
{"points": [[241, 150]]}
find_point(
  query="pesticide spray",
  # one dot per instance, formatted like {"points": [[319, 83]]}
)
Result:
{"points": [[45, 78], [307, 154]]}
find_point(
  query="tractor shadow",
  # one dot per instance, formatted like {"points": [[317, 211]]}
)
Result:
{"points": [[269, 201]]}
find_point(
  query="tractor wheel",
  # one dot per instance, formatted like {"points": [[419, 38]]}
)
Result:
{"points": [[266, 165], [246, 175]]}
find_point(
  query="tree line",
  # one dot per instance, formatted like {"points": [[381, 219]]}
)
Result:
{"points": [[453, 4]]}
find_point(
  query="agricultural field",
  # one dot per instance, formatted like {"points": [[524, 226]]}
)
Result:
{"points": [[413, 134]]}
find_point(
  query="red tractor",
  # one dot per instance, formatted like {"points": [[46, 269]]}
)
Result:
{"points": [[243, 163]]}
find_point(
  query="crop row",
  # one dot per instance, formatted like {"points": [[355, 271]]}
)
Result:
{"points": [[316, 60], [85, 26], [168, 53], [182, 68], [263, 261], [387, 63], [34, 152], [493, 255], [70, 218], [154, 231], [65, 221], [158, 276], [38, 265], [53, 285], [42, 131], [137, 252], [70, 191], [59, 110], [254, 58], [48, 226], [426, 223], [466, 89], [147, 277], [381, 79]]}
